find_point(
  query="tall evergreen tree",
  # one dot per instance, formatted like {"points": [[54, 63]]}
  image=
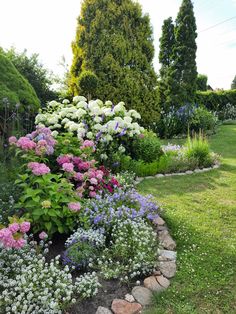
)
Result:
{"points": [[114, 40], [165, 84], [233, 85], [184, 68]]}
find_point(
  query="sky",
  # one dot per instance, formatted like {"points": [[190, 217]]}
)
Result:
{"points": [[47, 27]]}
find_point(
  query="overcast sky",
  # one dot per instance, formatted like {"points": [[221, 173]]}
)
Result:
{"points": [[47, 27]]}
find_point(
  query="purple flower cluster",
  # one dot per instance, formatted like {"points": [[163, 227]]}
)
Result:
{"points": [[120, 205]]}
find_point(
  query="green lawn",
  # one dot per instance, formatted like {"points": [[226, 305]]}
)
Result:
{"points": [[200, 210]]}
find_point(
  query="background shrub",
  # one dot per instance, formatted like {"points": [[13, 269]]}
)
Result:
{"points": [[202, 119], [147, 148], [216, 100]]}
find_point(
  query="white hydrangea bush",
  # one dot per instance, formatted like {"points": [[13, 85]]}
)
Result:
{"points": [[30, 285], [103, 123]]}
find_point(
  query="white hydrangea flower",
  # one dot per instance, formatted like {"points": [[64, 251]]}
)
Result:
{"points": [[77, 99], [65, 102]]}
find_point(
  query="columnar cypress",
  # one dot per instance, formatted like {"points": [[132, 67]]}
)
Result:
{"points": [[167, 42], [114, 40], [184, 68]]}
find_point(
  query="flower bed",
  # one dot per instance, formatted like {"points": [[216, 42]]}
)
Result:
{"points": [[66, 187]]}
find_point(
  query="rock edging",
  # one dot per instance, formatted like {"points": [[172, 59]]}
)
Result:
{"points": [[140, 296], [188, 172]]}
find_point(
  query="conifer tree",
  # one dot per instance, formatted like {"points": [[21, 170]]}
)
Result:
{"points": [[114, 40], [165, 85], [233, 85], [184, 68]]}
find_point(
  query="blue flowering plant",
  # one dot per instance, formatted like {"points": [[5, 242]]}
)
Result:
{"points": [[122, 205]]}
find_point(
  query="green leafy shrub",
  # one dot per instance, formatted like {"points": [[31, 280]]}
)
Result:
{"points": [[45, 202], [147, 148], [202, 119]]}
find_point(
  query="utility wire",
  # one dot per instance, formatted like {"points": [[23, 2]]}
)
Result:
{"points": [[213, 26]]}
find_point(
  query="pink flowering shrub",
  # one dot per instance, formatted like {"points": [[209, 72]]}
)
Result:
{"points": [[12, 236], [40, 142], [87, 179]]}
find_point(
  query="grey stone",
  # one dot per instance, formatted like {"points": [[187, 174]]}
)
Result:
{"points": [[197, 170], [168, 175], [142, 295], [160, 175], [168, 269], [152, 284], [167, 255], [129, 298], [189, 172], [180, 173], [159, 221], [103, 310], [163, 281], [166, 240], [161, 228], [150, 177], [216, 166]]}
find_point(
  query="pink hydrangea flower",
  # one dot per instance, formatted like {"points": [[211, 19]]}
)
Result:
{"points": [[75, 207], [84, 165], [43, 235], [18, 244], [94, 181], [68, 167], [25, 143], [63, 159], [86, 144], [92, 193], [79, 176], [25, 226], [12, 140], [38, 169], [14, 227]]}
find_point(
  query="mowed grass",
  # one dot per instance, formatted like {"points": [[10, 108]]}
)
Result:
{"points": [[200, 210]]}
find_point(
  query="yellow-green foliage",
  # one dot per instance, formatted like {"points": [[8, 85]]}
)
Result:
{"points": [[114, 40], [15, 87]]}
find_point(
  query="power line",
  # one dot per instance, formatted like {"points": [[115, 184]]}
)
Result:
{"points": [[213, 26]]}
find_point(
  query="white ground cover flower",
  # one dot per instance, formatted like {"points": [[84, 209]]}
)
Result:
{"points": [[28, 284], [133, 250]]}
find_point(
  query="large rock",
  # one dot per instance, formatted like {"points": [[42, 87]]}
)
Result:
{"points": [[167, 255], [123, 307], [166, 241], [142, 295], [103, 310], [158, 221], [163, 281], [152, 284], [168, 269]]}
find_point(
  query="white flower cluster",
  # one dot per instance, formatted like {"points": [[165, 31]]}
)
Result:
{"points": [[133, 250], [87, 285], [30, 285], [126, 180], [93, 120], [97, 237]]}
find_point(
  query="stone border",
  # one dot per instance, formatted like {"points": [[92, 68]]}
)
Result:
{"points": [[161, 175], [141, 296]]}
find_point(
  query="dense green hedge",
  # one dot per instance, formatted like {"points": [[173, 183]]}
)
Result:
{"points": [[216, 100], [15, 87]]}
